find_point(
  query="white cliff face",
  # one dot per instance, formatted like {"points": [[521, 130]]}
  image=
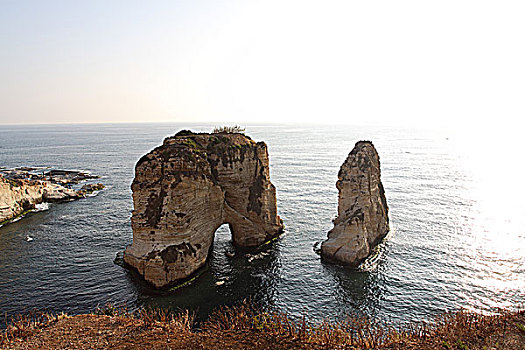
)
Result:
{"points": [[186, 189], [15, 198], [362, 213], [18, 196]]}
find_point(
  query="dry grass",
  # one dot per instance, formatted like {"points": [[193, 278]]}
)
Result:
{"points": [[236, 129], [23, 326], [243, 327]]}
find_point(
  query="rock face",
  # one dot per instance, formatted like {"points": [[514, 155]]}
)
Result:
{"points": [[186, 189], [362, 213], [18, 196]]}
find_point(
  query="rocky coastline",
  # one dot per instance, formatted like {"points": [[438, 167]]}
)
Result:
{"points": [[22, 189]]}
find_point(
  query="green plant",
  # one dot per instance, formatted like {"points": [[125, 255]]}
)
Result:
{"points": [[191, 143], [520, 327], [184, 133], [460, 345], [107, 310]]}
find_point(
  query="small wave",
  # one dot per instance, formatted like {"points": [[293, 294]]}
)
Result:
{"points": [[41, 207], [372, 262], [119, 259], [256, 256], [92, 194], [317, 247]]}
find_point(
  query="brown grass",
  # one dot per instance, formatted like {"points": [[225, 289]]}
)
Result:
{"points": [[236, 129], [243, 327]]}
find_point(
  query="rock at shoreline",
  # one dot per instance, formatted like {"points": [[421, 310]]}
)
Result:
{"points": [[186, 189], [48, 174], [90, 188], [22, 189], [362, 213], [18, 196]]}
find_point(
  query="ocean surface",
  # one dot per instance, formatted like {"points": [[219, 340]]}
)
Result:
{"points": [[457, 227]]}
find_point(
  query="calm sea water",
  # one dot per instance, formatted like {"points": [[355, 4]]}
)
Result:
{"points": [[457, 241]]}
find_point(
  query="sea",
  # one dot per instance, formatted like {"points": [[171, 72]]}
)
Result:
{"points": [[457, 219]]}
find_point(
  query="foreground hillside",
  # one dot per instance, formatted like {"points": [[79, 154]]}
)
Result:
{"points": [[242, 328]]}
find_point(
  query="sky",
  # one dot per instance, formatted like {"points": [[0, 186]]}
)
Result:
{"points": [[443, 63]]}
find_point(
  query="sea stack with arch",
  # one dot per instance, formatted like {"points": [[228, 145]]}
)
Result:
{"points": [[362, 212], [185, 189]]}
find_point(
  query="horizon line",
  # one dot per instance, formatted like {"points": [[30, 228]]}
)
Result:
{"points": [[230, 123]]}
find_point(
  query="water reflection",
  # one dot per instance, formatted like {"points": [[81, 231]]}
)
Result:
{"points": [[230, 276], [357, 292]]}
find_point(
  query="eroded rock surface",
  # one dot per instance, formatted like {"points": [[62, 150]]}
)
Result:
{"points": [[18, 196], [362, 213], [21, 189], [186, 189]]}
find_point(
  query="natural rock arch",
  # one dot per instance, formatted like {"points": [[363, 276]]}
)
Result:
{"points": [[186, 189]]}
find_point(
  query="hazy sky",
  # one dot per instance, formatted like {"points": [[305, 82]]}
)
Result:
{"points": [[439, 62]]}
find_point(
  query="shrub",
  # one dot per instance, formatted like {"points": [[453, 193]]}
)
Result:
{"points": [[184, 133], [236, 129]]}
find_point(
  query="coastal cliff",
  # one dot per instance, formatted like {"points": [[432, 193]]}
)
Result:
{"points": [[18, 196], [185, 189], [362, 213], [20, 193]]}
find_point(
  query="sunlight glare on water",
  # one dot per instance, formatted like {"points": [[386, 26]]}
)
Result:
{"points": [[492, 162]]}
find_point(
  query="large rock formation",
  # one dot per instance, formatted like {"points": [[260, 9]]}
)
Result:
{"points": [[362, 213], [186, 189]]}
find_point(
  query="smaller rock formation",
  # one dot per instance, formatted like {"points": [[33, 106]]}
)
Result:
{"points": [[186, 189], [362, 213], [22, 189], [90, 188], [55, 176]]}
